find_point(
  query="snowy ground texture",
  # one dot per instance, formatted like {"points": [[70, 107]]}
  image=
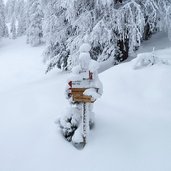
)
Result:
{"points": [[133, 117]]}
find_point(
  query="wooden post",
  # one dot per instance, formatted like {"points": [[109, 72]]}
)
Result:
{"points": [[85, 122]]}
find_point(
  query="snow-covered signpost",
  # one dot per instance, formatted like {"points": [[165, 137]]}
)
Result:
{"points": [[82, 90]]}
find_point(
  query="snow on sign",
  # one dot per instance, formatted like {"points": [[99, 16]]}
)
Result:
{"points": [[77, 90], [81, 84]]}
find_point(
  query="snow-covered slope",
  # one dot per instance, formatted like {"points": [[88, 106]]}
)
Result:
{"points": [[19, 63], [133, 117]]}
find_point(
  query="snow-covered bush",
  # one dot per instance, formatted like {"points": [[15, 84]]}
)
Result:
{"points": [[149, 59]]}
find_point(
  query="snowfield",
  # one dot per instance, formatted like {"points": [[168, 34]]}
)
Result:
{"points": [[133, 117]]}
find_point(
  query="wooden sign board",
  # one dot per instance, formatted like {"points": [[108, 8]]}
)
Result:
{"points": [[78, 96], [85, 99]]}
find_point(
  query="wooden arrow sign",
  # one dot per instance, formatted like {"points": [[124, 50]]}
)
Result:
{"points": [[78, 96]]}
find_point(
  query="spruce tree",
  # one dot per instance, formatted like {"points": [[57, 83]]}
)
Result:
{"points": [[34, 23], [6, 32], [13, 28], [21, 29], [55, 32], [10, 9], [2, 19]]}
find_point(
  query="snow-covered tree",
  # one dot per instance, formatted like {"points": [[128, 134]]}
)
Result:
{"points": [[34, 23], [55, 32], [18, 9], [2, 19], [13, 28], [21, 30], [106, 26], [6, 32], [10, 9], [28, 4], [165, 8], [114, 28]]}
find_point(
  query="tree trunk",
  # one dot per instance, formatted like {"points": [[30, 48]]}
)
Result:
{"points": [[116, 1], [147, 32], [123, 46]]}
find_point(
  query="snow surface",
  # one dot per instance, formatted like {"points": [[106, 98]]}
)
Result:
{"points": [[151, 58], [133, 117]]}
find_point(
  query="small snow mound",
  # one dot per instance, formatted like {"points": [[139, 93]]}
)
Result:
{"points": [[92, 92], [85, 47], [77, 137], [76, 69], [149, 59]]}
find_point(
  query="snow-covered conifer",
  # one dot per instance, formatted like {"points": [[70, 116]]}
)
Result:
{"points": [[13, 28], [6, 32], [21, 29], [2, 19], [56, 34], [28, 4], [34, 23], [168, 20], [103, 23], [114, 28], [10, 9]]}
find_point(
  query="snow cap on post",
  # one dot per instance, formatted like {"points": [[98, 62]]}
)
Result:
{"points": [[85, 47], [84, 57]]}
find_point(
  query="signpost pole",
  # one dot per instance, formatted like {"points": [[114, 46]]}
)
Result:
{"points": [[84, 122]]}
